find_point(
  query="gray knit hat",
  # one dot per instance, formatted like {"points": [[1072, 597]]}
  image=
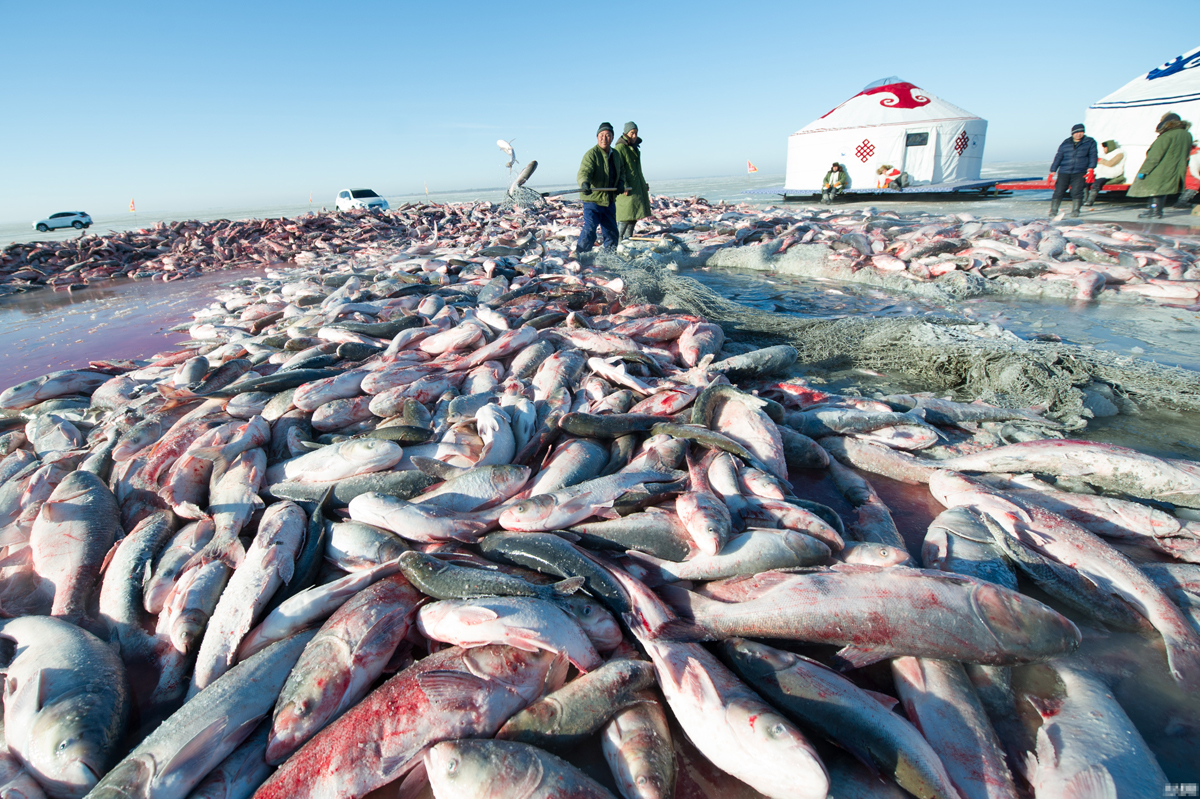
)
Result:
{"points": [[628, 127], [604, 126]]}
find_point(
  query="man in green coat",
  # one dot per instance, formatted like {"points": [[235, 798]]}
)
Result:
{"points": [[1163, 171], [635, 204], [601, 168]]}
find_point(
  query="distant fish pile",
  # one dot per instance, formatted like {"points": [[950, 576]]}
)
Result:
{"points": [[1005, 256], [437, 515]]}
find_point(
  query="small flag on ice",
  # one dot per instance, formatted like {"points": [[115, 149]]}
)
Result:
{"points": [[426, 189], [131, 208], [750, 168]]}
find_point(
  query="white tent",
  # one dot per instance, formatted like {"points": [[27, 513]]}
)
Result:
{"points": [[1131, 113], [889, 122]]}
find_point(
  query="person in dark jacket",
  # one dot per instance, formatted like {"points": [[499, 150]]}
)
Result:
{"points": [[601, 168], [1166, 164], [1074, 162], [635, 204]]}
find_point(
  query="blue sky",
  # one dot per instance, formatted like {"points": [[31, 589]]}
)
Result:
{"points": [[200, 105]]}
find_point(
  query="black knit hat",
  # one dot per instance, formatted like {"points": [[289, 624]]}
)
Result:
{"points": [[1077, 128], [604, 126]]}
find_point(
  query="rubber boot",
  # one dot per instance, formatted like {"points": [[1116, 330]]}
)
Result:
{"points": [[1076, 204], [1054, 204], [1091, 198], [1185, 198], [1149, 212], [1156, 204]]}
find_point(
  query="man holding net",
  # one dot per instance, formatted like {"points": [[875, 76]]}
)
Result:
{"points": [[600, 170]]}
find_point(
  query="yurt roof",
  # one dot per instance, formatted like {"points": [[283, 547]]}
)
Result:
{"points": [[890, 101], [1175, 82]]}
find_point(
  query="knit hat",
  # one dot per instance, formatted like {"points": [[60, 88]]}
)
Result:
{"points": [[604, 126], [1077, 128], [1111, 144], [628, 127]]}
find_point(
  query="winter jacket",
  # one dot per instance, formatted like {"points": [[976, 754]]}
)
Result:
{"points": [[1166, 162], [602, 172], [832, 178], [1075, 159], [637, 205]]}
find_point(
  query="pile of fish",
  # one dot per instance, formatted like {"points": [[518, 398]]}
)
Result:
{"points": [[1085, 259], [175, 250], [444, 517]]}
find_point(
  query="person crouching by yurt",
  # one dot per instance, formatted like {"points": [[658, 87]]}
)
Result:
{"points": [[836, 181], [1110, 168], [891, 178], [1163, 171]]}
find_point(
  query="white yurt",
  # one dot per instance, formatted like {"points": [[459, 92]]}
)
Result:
{"points": [[889, 122], [1131, 113]]}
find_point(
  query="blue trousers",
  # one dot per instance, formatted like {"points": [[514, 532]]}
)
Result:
{"points": [[606, 217]]}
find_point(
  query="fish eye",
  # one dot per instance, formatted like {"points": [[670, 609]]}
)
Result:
{"points": [[641, 780], [452, 765]]}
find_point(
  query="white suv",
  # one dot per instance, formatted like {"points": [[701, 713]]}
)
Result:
{"points": [[351, 199], [76, 219]]}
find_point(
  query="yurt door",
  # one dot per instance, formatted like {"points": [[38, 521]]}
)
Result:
{"points": [[920, 149]]}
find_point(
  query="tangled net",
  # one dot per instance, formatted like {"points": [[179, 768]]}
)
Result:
{"points": [[976, 361], [522, 197]]}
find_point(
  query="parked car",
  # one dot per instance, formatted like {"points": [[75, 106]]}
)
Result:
{"points": [[76, 219], [350, 199]]}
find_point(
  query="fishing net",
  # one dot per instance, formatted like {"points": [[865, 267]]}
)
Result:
{"points": [[970, 359], [522, 197]]}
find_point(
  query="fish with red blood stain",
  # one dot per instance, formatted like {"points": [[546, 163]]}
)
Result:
{"points": [[452, 694], [341, 663]]}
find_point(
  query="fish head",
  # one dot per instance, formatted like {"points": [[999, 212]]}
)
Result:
{"points": [[307, 705], [597, 623], [528, 512], [770, 739], [478, 769], [756, 660], [510, 479], [71, 743], [1023, 626], [371, 451], [873, 554]]}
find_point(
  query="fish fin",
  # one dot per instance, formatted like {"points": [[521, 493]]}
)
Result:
{"points": [[568, 586], [215, 454], [1046, 708], [910, 669], [445, 686], [190, 510], [198, 746], [12, 534], [681, 630], [855, 657], [576, 504], [607, 513], [413, 784], [108, 556], [436, 468], [889, 702], [53, 511], [1092, 783], [652, 566], [696, 680], [556, 675], [476, 615]]}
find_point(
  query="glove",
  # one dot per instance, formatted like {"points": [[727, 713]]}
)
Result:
{"points": [[1141, 175], [1091, 176], [1050, 178], [587, 187]]}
